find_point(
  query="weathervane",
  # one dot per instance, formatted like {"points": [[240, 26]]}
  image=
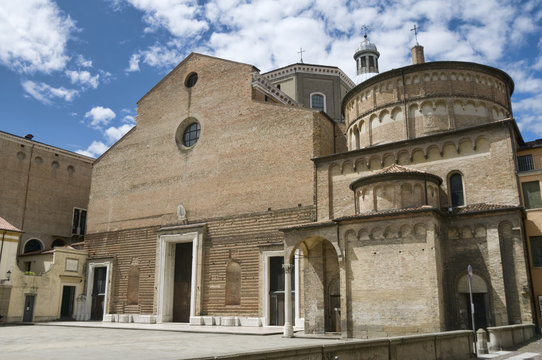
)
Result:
{"points": [[301, 51], [415, 29], [365, 28]]}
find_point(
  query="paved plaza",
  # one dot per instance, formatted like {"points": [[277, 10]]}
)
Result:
{"points": [[76, 342], [73, 340]]}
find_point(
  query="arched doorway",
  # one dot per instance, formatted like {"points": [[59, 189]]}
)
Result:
{"points": [[321, 298], [479, 300]]}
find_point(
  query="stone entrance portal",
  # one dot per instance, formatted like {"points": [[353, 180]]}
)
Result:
{"points": [[179, 273]]}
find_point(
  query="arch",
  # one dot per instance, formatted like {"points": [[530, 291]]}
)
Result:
{"points": [[397, 114], [479, 285], [406, 231], [433, 152], [481, 144], [306, 244], [321, 269], [449, 149], [233, 283], [391, 232], [466, 146], [355, 139], [403, 157], [375, 162], [347, 167], [384, 116], [360, 164], [58, 243], [318, 101], [389, 159], [456, 191], [418, 155], [33, 245]]}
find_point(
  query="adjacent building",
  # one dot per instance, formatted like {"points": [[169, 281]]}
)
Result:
{"points": [[530, 177], [44, 194]]}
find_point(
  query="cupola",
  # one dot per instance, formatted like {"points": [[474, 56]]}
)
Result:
{"points": [[366, 57]]}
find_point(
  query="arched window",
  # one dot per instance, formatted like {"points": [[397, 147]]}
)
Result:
{"points": [[233, 283], [457, 196], [33, 245], [318, 101]]}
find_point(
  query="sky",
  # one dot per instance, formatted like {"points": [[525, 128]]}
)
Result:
{"points": [[71, 72]]}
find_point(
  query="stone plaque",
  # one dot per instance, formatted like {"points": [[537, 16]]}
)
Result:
{"points": [[72, 265]]}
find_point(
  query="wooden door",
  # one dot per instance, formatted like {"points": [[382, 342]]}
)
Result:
{"points": [[182, 282]]}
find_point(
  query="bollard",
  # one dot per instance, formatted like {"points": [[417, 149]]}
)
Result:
{"points": [[481, 335]]}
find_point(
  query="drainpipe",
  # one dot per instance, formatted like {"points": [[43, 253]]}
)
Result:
{"points": [[2, 247]]}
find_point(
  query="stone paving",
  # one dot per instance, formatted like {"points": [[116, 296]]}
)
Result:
{"points": [[531, 350], [52, 341], [88, 340]]}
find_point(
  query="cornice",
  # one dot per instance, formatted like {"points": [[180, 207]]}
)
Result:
{"points": [[309, 69]]}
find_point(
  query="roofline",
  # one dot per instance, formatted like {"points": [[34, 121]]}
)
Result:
{"points": [[318, 65], [342, 75], [398, 212], [534, 144], [508, 122], [185, 60], [403, 175], [115, 144], [433, 65], [47, 147]]}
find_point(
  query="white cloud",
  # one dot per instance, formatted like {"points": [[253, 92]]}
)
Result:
{"points": [[157, 55], [524, 80], [113, 133], [134, 63], [95, 149], [46, 93], [528, 114], [100, 116], [179, 17], [81, 61], [83, 77], [268, 33], [33, 36]]}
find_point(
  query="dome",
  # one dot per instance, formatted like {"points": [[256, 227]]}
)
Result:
{"points": [[366, 46]]}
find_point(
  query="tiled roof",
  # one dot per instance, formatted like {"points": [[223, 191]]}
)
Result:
{"points": [[480, 207], [395, 169], [389, 212], [4, 225], [308, 225]]}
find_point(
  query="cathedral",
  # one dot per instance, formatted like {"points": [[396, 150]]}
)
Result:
{"points": [[302, 199]]}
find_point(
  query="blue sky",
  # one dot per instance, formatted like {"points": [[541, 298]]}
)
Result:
{"points": [[72, 71]]}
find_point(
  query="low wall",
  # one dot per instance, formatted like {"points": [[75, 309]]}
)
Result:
{"points": [[504, 337], [452, 345]]}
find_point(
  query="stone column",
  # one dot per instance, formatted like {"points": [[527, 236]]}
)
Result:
{"points": [[288, 328]]}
